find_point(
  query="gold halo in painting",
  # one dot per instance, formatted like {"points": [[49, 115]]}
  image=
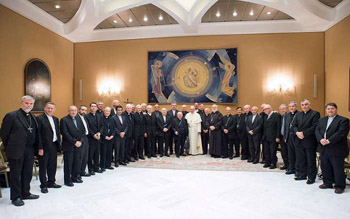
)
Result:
{"points": [[191, 77]]}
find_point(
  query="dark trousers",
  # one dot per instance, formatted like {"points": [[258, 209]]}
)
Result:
{"points": [[94, 154], [129, 145], [264, 146], [333, 170], [237, 143], [254, 148], [149, 149], [77, 161], [270, 151], [293, 165], [245, 146], [306, 159], [156, 144], [163, 144], [119, 150], [106, 153], [227, 146], [171, 141], [205, 141], [284, 152], [85, 155], [68, 166], [179, 144], [21, 172], [139, 146], [48, 166]]}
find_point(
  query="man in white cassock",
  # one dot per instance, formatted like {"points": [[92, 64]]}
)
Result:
{"points": [[194, 131]]}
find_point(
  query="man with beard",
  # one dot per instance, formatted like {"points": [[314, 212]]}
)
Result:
{"points": [[21, 139], [215, 121]]}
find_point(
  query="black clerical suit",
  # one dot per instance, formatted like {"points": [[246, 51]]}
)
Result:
{"points": [[94, 125], [108, 127], [164, 136], [150, 130], [172, 114], [139, 128], [180, 128], [236, 139], [289, 137], [306, 122], [243, 135], [255, 139], [121, 125], [228, 123], [50, 137], [155, 115], [271, 131], [205, 136], [283, 143], [215, 135], [334, 153], [85, 147], [71, 133], [21, 139], [129, 140]]}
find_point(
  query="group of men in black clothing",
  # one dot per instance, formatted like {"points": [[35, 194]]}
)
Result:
{"points": [[92, 141]]}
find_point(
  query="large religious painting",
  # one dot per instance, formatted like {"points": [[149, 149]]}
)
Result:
{"points": [[203, 76], [38, 83]]}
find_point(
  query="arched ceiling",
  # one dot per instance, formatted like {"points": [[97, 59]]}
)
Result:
{"points": [[97, 20]]}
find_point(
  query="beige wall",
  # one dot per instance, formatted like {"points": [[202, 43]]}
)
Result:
{"points": [[260, 57], [22, 40], [337, 47]]}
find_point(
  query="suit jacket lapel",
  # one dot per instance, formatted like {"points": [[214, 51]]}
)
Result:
{"points": [[48, 122], [22, 119]]}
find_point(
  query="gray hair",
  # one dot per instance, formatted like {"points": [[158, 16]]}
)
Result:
{"points": [[293, 102], [27, 97], [306, 100], [283, 105]]}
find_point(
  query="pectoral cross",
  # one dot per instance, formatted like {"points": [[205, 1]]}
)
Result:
{"points": [[30, 129]]}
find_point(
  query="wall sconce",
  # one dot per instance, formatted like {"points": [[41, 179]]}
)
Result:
{"points": [[280, 84], [109, 87]]}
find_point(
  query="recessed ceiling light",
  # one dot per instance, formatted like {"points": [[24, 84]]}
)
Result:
{"points": [[130, 20], [251, 13], [269, 12], [218, 14], [234, 14], [145, 19], [115, 21], [160, 17], [57, 6]]}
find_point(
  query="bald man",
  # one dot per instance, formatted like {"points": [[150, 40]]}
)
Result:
{"points": [[72, 131]]}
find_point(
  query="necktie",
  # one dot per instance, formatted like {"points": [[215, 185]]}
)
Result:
{"points": [[75, 122], [329, 121]]}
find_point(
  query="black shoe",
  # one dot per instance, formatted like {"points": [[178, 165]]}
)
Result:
{"points": [[136, 158], [178, 156], [273, 166], [266, 165], [44, 190], [116, 165], [298, 178], [289, 172], [132, 159], [18, 202], [30, 196], [325, 186], [236, 156], [110, 168], [69, 184], [92, 173], [54, 186], [78, 181], [231, 157], [99, 171], [224, 157], [103, 170], [122, 163], [262, 162], [85, 174], [142, 158], [167, 155], [244, 158], [309, 181], [154, 155], [250, 161], [283, 168], [255, 162], [339, 191]]}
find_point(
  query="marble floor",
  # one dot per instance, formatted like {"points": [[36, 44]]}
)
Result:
{"points": [[173, 194]]}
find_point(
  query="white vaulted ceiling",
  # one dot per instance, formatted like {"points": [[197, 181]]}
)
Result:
{"points": [[99, 20]]}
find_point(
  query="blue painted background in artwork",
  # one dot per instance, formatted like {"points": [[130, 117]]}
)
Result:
{"points": [[160, 76]]}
